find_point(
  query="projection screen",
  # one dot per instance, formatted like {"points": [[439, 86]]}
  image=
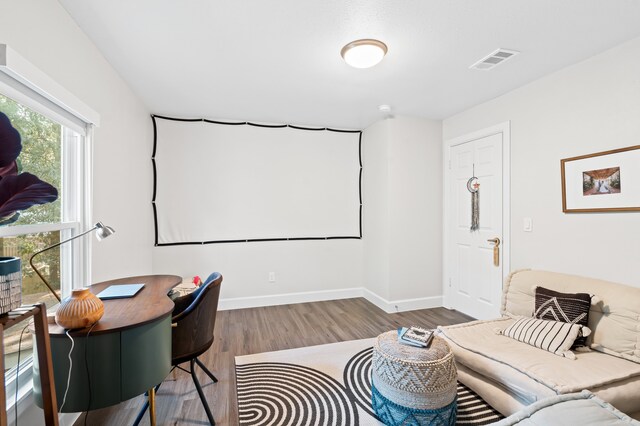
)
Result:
{"points": [[217, 182]]}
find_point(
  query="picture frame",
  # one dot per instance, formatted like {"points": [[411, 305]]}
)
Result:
{"points": [[607, 181]]}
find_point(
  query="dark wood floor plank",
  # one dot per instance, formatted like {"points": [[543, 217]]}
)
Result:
{"points": [[264, 329]]}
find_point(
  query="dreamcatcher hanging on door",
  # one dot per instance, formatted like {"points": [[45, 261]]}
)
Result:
{"points": [[473, 186]]}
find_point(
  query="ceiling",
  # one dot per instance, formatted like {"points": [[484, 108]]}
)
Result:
{"points": [[279, 61]]}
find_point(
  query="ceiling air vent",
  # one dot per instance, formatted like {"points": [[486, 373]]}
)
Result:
{"points": [[493, 59]]}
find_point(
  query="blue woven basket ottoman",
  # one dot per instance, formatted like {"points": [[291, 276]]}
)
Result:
{"points": [[413, 386]]}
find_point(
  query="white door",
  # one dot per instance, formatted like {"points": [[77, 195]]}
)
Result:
{"points": [[475, 280]]}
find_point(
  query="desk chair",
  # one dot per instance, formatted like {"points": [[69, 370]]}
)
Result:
{"points": [[193, 321]]}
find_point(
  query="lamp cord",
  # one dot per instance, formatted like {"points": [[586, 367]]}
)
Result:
{"points": [[15, 403], [64, 399]]}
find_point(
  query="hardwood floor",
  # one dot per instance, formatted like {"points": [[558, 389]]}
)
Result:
{"points": [[255, 330]]}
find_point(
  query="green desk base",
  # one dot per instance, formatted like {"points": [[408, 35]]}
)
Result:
{"points": [[120, 366]]}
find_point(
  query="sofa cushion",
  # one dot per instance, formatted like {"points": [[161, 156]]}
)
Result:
{"points": [[531, 374], [556, 337], [614, 320], [589, 370], [582, 408], [566, 307]]}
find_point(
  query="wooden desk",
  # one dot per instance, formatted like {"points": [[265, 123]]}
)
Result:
{"points": [[127, 352]]}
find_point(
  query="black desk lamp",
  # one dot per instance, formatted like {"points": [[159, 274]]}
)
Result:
{"points": [[102, 232]]}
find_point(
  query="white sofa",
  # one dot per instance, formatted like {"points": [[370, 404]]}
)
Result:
{"points": [[583, 408], [510, 375]]}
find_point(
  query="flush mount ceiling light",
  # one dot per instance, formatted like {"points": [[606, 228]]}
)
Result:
{"points": [[364, 53]]}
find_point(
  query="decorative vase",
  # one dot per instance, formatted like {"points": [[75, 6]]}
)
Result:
{"points": [[10, 284], [79, 310]]}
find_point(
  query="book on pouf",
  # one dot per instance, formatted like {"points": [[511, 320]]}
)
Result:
{"points": [[415, 336]]}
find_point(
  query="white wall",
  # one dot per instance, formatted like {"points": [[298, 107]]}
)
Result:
{"points": [[375, 211], [324, 268], [402, 196], [589, 107], [42, 32], [398, 261], [415, 208], [304, 270]]}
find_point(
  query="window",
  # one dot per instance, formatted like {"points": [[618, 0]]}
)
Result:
{"points": [[57, 153]]}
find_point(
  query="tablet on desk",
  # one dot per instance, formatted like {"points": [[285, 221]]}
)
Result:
{"points": [[120, 291]]}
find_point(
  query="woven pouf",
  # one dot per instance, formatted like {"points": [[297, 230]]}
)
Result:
{"points": [[413, 386]]}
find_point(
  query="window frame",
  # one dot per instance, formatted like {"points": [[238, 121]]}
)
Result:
{"points": [[26, 84], [74, 204]]}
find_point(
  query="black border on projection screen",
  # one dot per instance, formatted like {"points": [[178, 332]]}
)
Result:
{"points": [[248, 240]]}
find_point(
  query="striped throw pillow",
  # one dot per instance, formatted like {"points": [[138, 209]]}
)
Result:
{"points": [[552, 336], [566, 307]]}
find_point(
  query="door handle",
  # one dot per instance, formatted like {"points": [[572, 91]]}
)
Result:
{"points": [[496, 250]]}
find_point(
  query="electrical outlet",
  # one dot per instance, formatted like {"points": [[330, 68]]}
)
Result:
{"points": [[272, 277]]}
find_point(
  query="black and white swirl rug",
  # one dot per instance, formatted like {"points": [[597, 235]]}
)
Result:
{"points": [[326, 385]]}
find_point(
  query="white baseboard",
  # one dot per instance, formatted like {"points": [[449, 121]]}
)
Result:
{"points": [[288, 298], [402, 305], [318, 296]]}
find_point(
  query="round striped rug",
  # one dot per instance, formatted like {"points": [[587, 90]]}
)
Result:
{"points": [[323, 385]]}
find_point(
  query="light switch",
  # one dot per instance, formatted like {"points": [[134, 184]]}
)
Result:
{"points": [[527, 224]]}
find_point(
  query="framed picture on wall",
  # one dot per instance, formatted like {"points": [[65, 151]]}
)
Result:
{"points": [[606, 181]]}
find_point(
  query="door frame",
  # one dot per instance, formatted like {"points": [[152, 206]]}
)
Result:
{"points": [[505, 129]]}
